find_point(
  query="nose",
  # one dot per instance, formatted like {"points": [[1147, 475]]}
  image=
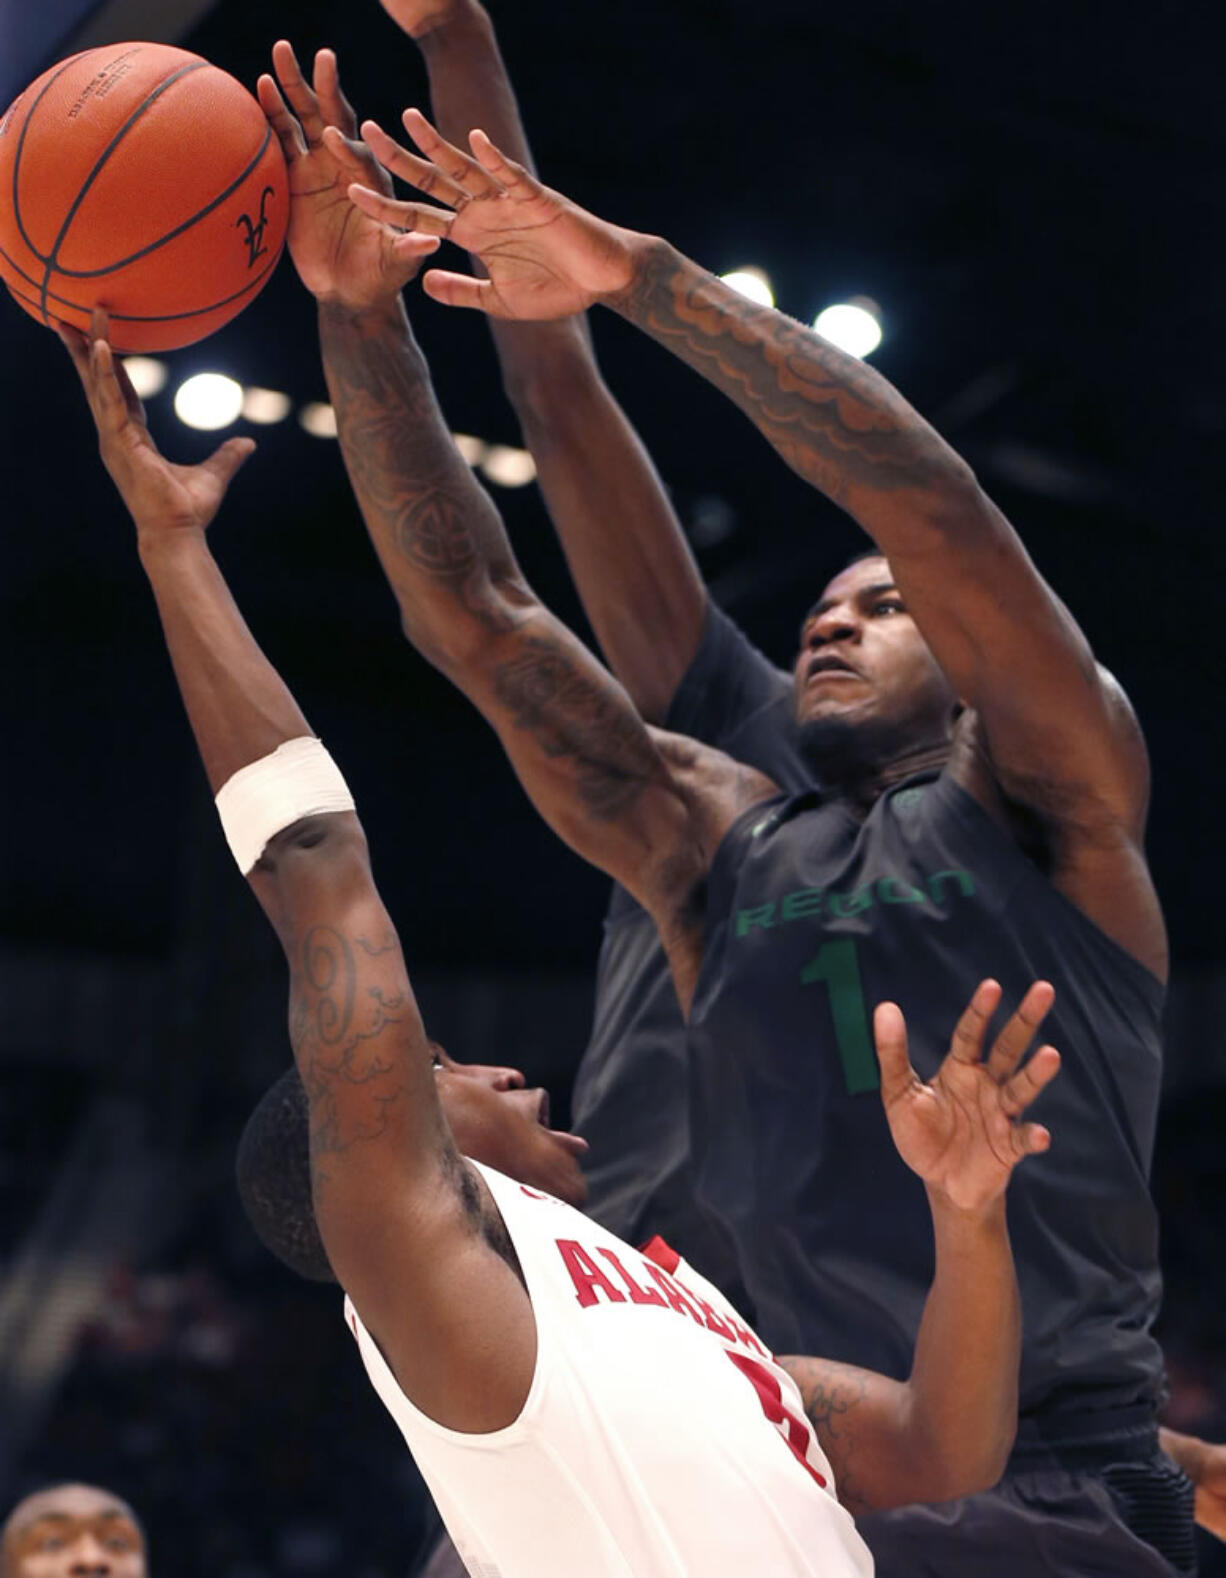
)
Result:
{"points": [[90, 1559], [839, 622], [504, 1078]]}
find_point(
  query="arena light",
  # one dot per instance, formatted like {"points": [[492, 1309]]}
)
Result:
{"points": [[752, 283], [474, 450], [509, 468], [208, 401], [854, 326], [146, 374], [318, 419], [265, 406]]}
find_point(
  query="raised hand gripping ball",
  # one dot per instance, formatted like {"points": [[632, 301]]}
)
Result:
{"points": [[142, 178]]}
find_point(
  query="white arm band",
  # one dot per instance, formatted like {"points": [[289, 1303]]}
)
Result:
{"points": [[265, 797]]}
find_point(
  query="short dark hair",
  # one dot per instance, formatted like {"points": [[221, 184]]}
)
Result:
{"points": [[273, 1169]]}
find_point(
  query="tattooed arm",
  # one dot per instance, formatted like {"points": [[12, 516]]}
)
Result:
{"points": [[405, 1232], [626, 549], [581, 750], [1060, 736]]}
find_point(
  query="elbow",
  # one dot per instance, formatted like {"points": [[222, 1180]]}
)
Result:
{"points": [[324, 837], [967, 1469]]}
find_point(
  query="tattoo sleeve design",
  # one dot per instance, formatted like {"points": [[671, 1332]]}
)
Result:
{"points": [[435, 531], [832, 1393], [573, 716], [353, 1078], [834, 420]]}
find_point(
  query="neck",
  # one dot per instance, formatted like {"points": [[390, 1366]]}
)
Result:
{"points": [[861, 779]]}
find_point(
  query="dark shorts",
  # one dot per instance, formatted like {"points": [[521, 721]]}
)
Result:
{"points": [[1056, 1514]]}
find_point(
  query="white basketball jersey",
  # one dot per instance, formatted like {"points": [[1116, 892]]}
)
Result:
{"points": [[659, 1438]]}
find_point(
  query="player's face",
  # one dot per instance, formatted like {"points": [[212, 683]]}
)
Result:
{"points": [[863, 666], [73, 1531], [496, 1119]]}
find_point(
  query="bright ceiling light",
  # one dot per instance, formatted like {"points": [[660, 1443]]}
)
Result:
{"points": [[473, 449], [208, 401], [319, 419], [751, 282], [854, 326], [509, 468], [265, 406], [147, 375]]}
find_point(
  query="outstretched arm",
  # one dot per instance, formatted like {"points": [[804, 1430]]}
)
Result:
{"points": [[581, 750], [626, 549], [948, 1429], [1061, 736], [398, 1215]]}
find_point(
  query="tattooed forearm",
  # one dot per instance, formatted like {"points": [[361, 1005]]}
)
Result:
{"points": [[352, 1073], [832, 1394], [437, 534], [834, 420], [579, 716]]}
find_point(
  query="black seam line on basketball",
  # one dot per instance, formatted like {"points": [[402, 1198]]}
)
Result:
{"points": [[132, 317], [21, 143], [96, 273], [106, 153]]}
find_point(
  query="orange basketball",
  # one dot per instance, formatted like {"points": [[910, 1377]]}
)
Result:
{"points": [[143, 178]]}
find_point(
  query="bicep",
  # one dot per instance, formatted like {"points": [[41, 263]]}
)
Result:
{"points": [[860, 1419], [1054, 722], [583, 753]]}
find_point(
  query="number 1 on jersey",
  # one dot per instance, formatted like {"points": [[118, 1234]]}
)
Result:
{"points": [[837, 965]]}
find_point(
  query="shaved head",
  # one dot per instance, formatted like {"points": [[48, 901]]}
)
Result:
{"points": [[69, 1529]]}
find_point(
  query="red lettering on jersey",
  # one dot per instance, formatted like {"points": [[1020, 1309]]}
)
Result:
{"points": [[638, 1295], [587, 1276], [747, 1339], [770, 1394], [677, 1300], [532, 1194], [714, 1322]]}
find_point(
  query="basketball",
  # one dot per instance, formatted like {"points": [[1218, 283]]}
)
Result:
{"points": [[142, 178]]}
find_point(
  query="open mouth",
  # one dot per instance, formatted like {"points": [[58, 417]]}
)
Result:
{"points": [[827, 663]]}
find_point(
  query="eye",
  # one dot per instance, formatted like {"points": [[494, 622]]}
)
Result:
{"points": [[888, 606]]}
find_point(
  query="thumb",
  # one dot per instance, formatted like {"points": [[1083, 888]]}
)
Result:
{"points": [[223, 463], [890, 1037]]}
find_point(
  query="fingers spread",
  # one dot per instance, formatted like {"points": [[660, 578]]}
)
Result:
{"points": [[966, 1045], [509, 175], [401, 216], [226, 460], [1010, 1045], [1017, 1093], [287, 129], [338, 146], [1031, 1139], [467, 174], [416, 172], [890, 1038], [336, 108], [302, 101]]}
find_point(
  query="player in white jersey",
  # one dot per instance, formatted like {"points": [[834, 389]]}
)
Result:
{"points": [[577, 1408]]}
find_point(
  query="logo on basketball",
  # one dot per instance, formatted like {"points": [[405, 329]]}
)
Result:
{"points": [[254, 236]]}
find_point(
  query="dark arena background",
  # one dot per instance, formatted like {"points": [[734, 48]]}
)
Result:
{"points": [[1033, 196]]}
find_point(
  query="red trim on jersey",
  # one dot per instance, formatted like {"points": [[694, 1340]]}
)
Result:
{"points": [[664, 1256]]}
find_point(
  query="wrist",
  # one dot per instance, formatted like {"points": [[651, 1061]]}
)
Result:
{"points": [[645, 258], [988, 1217], [159, 543], [458, 23], [367, 317]]}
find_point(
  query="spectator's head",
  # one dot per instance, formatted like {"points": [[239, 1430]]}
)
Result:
{"points": [[72, 1531]]}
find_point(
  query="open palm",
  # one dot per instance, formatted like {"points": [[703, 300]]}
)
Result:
{"points": [[545, 256], [961, 1131], [340, 253]]}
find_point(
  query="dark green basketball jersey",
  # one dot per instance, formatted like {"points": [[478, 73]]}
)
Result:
{"points": [[815, 916]]}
